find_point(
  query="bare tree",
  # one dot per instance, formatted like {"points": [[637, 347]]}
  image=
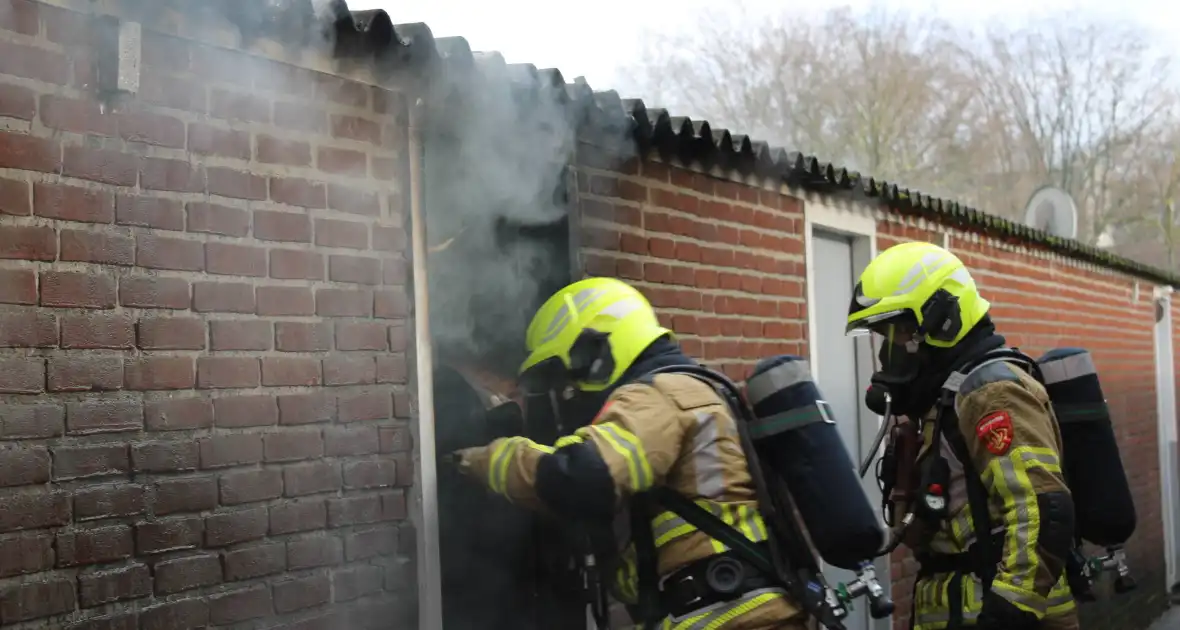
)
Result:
{"points": [[884, 93], [1149, 230], [1072, 104], [984, 120]]}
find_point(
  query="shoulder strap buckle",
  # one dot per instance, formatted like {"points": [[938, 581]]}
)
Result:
{"points": [[1010, 355]]}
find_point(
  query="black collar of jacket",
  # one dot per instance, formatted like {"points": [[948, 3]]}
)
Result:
{"points": [[982, 339]]}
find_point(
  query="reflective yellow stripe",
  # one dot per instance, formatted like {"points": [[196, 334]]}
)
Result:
{"points": [[630, 449], [716, 618], [627, 578], [1024, 599], [1060, 599], [667, 526], [568, 440], [501, 460], [498, 469], [1022, 520], [745, 521], [932, 601], [932, 604]]}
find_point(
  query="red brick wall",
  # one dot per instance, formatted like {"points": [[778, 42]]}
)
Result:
{"points": [[721, 262], [203, 398], [724, 265]]}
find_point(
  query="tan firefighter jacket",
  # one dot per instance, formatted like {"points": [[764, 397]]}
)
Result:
{"points": [[1015, 444], [677, 432]]}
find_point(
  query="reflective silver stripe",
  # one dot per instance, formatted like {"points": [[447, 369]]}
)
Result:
{"points": [[1023, 570], [563, 315], [761, 386], [706, 454], [922, 269], [1013, 469], [705, 617], [1018, 534], [957, 533], [1060, 597], [1067, 368]]}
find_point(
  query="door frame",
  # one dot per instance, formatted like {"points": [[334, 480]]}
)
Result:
{"points": [[1165, 388], [860, 227]]}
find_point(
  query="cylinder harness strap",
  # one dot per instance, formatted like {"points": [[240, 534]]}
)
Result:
{"points": [[793, 568], [983, 555]]}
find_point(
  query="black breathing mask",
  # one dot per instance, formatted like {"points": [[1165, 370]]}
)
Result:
{"points": [[553, 385], [908, 364], [556, 406], [900, 368]]}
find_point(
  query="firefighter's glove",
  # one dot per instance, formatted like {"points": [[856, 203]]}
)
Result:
{"points": [[1000, 614], [470, 461]]}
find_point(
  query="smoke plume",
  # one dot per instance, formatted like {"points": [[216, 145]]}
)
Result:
{"points": [[499, 161], [498, 196]]}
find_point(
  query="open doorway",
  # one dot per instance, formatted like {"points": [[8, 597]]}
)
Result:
{"points": [[839, 246], [498, 245]]}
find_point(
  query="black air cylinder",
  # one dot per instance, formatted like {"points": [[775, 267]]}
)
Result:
{"points": [[798, 443], [1094, 470]]}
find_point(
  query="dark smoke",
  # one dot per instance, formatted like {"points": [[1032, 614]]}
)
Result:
{"points": [[499, 156]]}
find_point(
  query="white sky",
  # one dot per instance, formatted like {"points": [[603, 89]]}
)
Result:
{"points": [[595, 38]]}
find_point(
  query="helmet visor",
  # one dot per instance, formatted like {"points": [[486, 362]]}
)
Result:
{"points": [[891, 332], [880, 323]]}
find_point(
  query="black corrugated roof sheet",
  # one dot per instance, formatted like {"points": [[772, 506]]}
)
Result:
{"points": [[372, 36]]}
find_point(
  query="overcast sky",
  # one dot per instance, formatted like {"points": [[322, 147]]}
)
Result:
{"points": [[595, 38]]}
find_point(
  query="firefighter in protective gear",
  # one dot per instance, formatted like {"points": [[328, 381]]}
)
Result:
{"points": [[590, 343], [994, 431]]}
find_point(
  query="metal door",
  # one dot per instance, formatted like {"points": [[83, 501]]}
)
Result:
{"points": [[842, 376], [1166, 407]]}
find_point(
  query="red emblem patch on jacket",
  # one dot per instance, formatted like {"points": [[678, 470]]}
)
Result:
{"points": [[995, 431], [601, 412]]}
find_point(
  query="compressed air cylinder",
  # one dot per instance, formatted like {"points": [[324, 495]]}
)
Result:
{"points": [[798, 443], [1104, 507]]}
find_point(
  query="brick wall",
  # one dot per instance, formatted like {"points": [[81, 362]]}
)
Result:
{"points": [[203, 344], [723, 263]]}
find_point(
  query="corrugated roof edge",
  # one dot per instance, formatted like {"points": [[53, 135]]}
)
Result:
{"points": [[372, 35]]}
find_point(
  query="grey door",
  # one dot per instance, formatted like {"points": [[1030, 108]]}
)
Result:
{"points": [[1169, 453], [842, 374]]}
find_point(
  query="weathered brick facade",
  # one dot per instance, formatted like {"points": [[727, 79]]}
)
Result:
{"points": [[204, 337], [205, 332], [722, 262]]}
